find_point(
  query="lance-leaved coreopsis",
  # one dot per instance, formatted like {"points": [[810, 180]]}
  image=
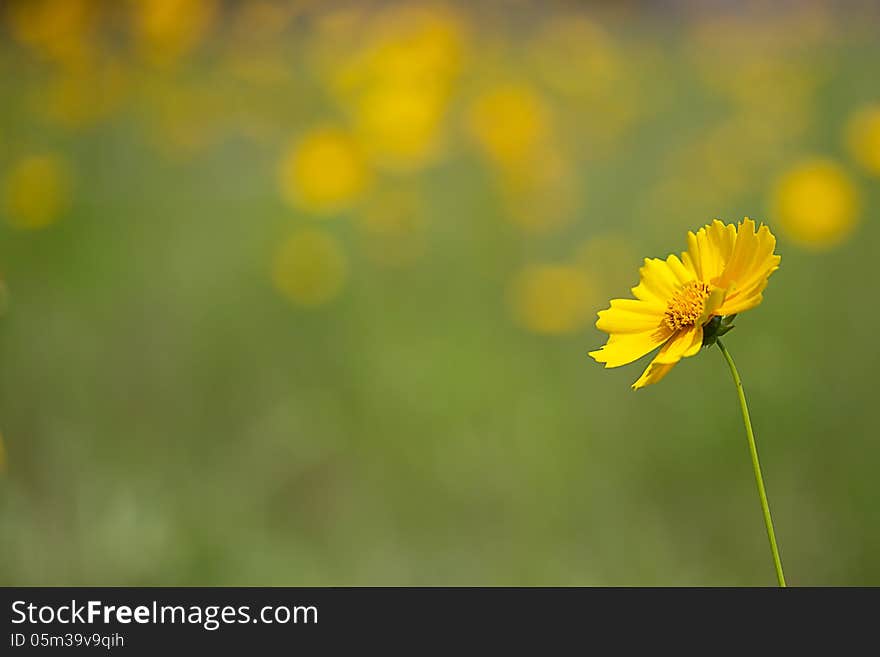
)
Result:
{"points": [[685, 303], [682, 304]]}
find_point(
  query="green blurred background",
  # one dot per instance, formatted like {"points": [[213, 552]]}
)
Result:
{"points": [[301, 293]]}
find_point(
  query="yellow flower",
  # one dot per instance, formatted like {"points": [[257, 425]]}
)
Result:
{"points": [[393, 227], [400, 124], [817, 204], [325, 171], [309, 268], [395, 72], [168, 29], [723, 272], [509, 123], [863, 138], [37, 191], [551, 299], [541, 194], [84, 95], [60, 30]]}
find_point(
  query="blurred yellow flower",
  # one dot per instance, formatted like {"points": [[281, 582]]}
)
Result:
{"points": [[83, 95], [410, 40], [182, 118], [576, 57], [600, 85], [780, 92], [817, 204], [324, 171], [309, 268], [258, 20], [608, 259], [393, 227], [723, 272], [863, 138], [724, 160], [254, 49], [36, 191], [551, 299], [333, 46], [168, 29], [510, 123], [399, 124], [539, 195], [395, 74], [60, 30]]}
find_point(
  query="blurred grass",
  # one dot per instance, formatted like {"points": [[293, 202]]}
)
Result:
{"points": [[170, 418]]}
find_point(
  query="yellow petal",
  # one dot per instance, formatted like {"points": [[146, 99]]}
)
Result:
{"points": [[740, 299], [740, 304], [743, 252], [683, 344], [654, 372], [751, 264], [623, 348], [764, 261], [657, 282], [711, 304], [688, 262], [710, 248], [694, 253], [763, 245], [630, 316], [684, 272]]}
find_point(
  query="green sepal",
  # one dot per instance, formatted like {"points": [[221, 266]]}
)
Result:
{"points": [[715, 328]]}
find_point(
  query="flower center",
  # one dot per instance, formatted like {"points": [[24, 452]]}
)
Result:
{"points": [[686, 305]]}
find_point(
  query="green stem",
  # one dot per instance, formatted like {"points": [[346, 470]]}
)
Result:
{"points": [[765, 506]]}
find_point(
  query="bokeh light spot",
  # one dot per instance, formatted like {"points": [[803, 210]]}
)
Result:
{"points": [[84, 95], [863, 138], [310, 268], [539, 196], [36, 191], [551, 299], [510, 123], [610, 260], [59, 30], [817, 203], [393, 228], [400, 123], [169, 29], [324, 171], [576, 57]]}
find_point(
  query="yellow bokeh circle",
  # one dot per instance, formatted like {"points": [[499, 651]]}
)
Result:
{"points": [[323, 172], [551, 299], [36, 191], [400, 124], [817, 203], [510, 123], [166, 30], [393, 228], [309, 268], [863, 138]]}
